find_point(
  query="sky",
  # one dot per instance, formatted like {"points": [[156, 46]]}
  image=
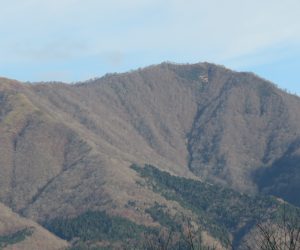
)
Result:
{"points": [[75, 40]]}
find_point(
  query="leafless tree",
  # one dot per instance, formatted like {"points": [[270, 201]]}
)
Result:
{"points": [[281, 235]]}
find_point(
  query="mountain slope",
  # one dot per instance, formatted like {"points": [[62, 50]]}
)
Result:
{"points": [[228, 127], [67, 149], [20, 233], [201, 119], [247, 124]]}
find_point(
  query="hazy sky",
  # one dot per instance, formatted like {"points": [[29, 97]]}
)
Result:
{"points": [[73, 40]]}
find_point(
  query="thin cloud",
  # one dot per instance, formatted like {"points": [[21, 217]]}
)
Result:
{"points": [[225, 32]]}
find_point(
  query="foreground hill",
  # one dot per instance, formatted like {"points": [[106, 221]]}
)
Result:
{"points": [[23, 234], [67, 149]]}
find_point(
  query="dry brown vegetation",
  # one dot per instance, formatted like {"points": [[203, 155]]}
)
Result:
{"points": [[66, 149], [40, 238]]}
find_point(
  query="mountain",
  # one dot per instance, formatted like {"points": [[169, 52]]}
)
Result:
{"points": [[66, 149]]}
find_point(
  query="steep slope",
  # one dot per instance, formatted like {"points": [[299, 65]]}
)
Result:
{"points": [[214, 211], [35, 148], [67, 149], [223, 126], [223, 212], [245, 125], [55, 164], [228, 127], [20, 233]]}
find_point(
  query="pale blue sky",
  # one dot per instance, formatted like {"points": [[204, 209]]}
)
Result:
{"points": [[74, 40]]}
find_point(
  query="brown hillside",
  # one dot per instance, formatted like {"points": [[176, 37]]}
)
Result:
{"points": [[68, 148], [10, 223]]}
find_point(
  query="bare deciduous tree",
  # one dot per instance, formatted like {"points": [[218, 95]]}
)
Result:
{"points": [[281, 235]]}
